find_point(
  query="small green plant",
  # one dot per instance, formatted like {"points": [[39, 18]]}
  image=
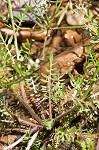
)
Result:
{"points": [[55, 87]]}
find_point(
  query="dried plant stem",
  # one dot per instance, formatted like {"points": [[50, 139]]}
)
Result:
{"points": [[66, 113], [49, 90], [33, 138], [14, 29], [68, 27], [21, 121], [18, 130], [28, 123]]}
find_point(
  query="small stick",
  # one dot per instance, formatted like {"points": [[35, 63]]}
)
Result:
{"points": [[15, 143], [33, 138]]}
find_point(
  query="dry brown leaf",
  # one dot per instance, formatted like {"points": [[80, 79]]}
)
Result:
{"points": [[66, 61]]}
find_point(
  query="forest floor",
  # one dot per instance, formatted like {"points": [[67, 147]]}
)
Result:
{"points": [[49, 78]]}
